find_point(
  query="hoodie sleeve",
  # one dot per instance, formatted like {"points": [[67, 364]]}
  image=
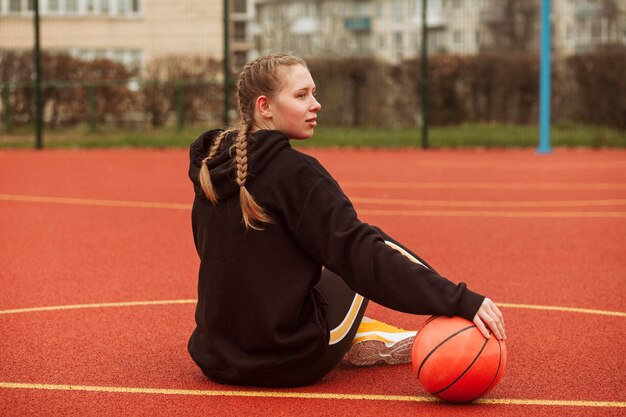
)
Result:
{"points": [[330, 231]]}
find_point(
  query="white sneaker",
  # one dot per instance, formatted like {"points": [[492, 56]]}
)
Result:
{"points": [[377, 342]]}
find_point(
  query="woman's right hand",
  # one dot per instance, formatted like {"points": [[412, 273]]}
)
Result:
{"points": [[489, 316]]}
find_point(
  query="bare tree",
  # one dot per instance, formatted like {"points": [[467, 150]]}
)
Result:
{"points": [[609, 13], [513, 25]]}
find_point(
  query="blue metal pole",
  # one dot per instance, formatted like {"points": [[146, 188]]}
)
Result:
{"points": [[544, 79]]}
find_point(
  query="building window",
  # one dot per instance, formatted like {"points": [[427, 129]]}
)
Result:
{"points": [[74, 7], [398, 41], [363, 9], [20, 6], [71, 6], [437, 42], [123, 6], [569, 32], [309, 9], [296, 10], [240, 31], [596, 30], [397, 11], [457, 37], [130, 58], [127, 7], [381, 42], [380, 9], [15, 6], [240, 58], [53, 6], [241, 6]]}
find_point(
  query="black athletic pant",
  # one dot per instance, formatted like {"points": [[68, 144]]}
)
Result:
{"points": [[343, 310]]}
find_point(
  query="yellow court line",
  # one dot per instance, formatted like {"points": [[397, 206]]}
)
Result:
{"points": [[96, 305], [488, 203], [486, 185], [93, 202], [301, 395], [517, 167], [379, 212], [193, 301], [493, 213], [564, 309]]}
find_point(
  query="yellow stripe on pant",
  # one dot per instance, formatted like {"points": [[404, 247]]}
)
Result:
{"points": [[339, 333]]}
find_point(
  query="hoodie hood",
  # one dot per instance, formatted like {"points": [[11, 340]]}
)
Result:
{"points": [[262, 147]]}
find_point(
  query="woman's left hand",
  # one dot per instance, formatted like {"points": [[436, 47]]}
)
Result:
{"points": [[489, 315]]}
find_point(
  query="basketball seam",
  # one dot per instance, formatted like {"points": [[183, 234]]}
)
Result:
{"points": [[430, 319], [467, 369], [438, 346], [497, 370]]}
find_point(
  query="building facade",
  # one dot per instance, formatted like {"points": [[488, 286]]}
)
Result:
{"points": [[241, 18], [583, 25], [391, 29], [137, 31], [387, 29], [131, 31]]}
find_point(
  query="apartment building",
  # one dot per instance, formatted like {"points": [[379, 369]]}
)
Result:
{"points": [[582, 25], [391, 29], [137, 31], [387, 29], [131, 31], [241, 18]]}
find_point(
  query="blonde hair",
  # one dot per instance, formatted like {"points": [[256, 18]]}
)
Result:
{"points": [[257, 78]]}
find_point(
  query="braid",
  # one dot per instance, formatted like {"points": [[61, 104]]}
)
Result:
{"points": [[258, 77], [205, 177], [253, 214], [217, 144]]}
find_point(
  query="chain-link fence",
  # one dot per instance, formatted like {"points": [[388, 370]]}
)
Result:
{"points": [[366, 56], [102, 94]]}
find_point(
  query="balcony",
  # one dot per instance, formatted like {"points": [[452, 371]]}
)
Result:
{"points": [[304, 26], [587, 9], [358, 24], [433, 21]]}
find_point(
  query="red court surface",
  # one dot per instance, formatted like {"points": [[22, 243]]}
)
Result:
{"points": [[98, 276]]}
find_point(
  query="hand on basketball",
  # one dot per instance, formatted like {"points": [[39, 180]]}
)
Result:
{"points": [[489, 317]]}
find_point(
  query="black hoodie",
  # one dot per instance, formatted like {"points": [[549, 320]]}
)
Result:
{"points": [[256, 313]]}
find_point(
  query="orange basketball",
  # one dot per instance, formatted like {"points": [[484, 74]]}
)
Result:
{"points": [[454, 362]]}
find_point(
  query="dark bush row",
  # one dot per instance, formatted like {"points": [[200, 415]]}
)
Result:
{"points": [[60, 102], [599, 83], [484, 88], [66, 101]]}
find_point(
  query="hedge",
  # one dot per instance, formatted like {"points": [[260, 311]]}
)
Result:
{"points": [[484, 88]]}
